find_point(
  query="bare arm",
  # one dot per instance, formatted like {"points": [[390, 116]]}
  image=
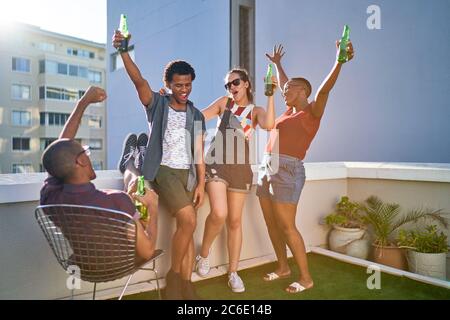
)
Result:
{"points": [[318, 107], [276, 57], [142, 86], [215, 108], [92, 95], [200, 167]]}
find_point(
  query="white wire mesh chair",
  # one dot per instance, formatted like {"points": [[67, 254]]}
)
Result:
{"points": [[100, 242]]}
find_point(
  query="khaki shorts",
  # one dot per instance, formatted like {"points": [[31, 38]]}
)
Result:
{"points": [[170, 184]]}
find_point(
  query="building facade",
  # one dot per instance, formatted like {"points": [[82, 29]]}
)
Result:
{"points": [[43, 74], [389, 104]]}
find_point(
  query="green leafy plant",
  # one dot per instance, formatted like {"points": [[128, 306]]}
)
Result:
{"points": [[428, 241], [385, 218], [347, 215]]}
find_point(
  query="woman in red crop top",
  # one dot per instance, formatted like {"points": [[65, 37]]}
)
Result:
{"points": [[282, 175]]}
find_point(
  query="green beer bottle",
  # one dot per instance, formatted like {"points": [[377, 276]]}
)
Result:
{"points": [[343, 56], [123, 28], [139, 205], [268, 84]]}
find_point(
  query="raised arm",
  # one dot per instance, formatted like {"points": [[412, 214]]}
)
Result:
{"points": [[142, 86], [92, 95], [266, 118], [275, 58], [318, 106]]}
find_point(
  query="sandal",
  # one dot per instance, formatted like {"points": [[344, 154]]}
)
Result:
{"points": [[273, 276], [297, 288]]}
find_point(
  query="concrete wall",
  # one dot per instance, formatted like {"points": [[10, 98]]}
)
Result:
{"points": [[196, 31], [391, 103]]}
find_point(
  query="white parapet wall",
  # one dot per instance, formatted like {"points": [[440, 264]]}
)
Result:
{"points": [[28, 269]]}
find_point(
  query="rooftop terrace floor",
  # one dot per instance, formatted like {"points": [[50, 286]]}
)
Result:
{"points": [[333, 280]]}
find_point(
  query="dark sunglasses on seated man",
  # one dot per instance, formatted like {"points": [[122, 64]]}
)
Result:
{"points": [[235, 83]]}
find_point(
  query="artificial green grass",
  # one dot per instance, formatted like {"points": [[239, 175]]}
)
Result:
{"points": [[333, 279]]}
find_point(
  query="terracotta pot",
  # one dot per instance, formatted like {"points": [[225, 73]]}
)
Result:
{"points": [[390, 256]]}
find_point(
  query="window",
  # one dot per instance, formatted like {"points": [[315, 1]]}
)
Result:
{"points": [[116, 60], [41, 66], [97, 165], [95, 76], [42, 118], [95, 122], [95, 144], [21, 118], [80, 53], [20, 64], [53, 67], [45, 142], [44, 46], [21, 144], [47, 66], [22, 92], [62, 68], [53, 118], [22, 168], [82, 72], [73, 70], [243, 35], [58, 93]]}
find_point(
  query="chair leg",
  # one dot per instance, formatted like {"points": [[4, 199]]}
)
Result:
{"points": [[157, 285], [95, 288], [126, 285]]}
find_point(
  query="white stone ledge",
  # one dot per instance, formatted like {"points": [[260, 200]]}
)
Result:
{"points": [[25, 187]]}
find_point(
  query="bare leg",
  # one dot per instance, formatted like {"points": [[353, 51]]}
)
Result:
{"points": [[186, 223], [130, 174], [217, 193], [276, 237], [285, 216], [187, 264], [236, 202]]}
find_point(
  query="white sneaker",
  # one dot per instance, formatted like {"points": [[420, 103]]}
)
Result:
{"points": [[235, 282], [202, 266]]}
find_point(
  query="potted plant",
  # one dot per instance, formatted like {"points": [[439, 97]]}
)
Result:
{"points": [[426, 251], [348, 234], [385, 218]]}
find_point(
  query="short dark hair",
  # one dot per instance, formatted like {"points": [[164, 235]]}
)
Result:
{"points": [[306, 83], [177, 67], [60, 156]]}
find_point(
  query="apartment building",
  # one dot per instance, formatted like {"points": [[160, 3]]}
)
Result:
{"points": [[43, 74]]}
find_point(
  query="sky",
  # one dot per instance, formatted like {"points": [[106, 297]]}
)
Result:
{"points": [[84, 19]]}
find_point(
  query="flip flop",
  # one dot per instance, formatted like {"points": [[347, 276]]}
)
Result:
{"points": [[273, 276], [297, 286]]}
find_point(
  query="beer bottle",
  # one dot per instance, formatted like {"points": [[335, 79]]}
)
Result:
{"points": [[343, 55], [123, 28], [141, 208], [268, 84]]}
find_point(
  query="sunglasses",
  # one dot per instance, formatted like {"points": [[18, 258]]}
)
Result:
{"points": [[86, 149], [235, 83]]}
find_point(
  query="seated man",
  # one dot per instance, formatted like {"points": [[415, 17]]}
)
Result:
{"points": [[70, 175]]}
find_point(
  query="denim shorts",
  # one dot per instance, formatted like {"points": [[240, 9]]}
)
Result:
{"points": [[281, 178]]}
